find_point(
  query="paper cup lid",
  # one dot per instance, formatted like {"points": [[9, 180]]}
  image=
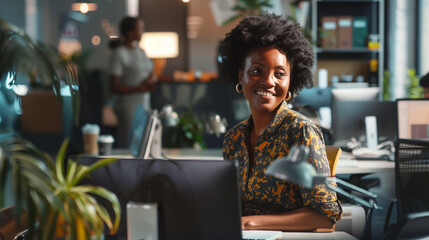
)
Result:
{"points": [[91, 128], [106, 138]]}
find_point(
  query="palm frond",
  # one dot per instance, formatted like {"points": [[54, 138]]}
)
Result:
{"points": [[42, 63]]}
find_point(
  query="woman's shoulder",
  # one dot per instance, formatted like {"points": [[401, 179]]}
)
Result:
{"points": [[299, 119], [237, 129], [120, 50]]}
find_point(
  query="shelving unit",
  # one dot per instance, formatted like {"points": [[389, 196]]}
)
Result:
{"points": [[353, 60]]}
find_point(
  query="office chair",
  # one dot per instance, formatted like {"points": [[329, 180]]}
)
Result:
{"points": [[9, 228], [412, 195], [333, 153]]}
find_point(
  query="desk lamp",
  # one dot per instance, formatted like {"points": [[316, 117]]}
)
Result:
{"points": [[295, 168], [159, 46]]}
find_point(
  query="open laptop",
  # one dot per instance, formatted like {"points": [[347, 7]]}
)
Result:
{"points": [[141, 135]]}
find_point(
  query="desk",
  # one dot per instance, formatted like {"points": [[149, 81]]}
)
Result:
{"points": [[316, 236], [192, 154], [364, 166], [296, 236], [344, 166]]}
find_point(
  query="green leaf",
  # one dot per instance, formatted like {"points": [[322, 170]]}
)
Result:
{"points": [[44, 65], [102, 192], [91, 168]]}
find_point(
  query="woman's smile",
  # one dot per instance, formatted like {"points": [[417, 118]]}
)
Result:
{"points": [[265, 79]]}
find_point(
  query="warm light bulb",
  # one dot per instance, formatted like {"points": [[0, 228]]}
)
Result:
{"points": [[95, 40], [84, 8], [185, 1]]}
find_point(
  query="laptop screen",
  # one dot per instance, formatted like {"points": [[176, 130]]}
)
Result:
{"points": [[148, 136], [137, 130], [413, 118]]}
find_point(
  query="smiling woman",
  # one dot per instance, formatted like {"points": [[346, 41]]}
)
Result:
{"points": [[271, 61]]}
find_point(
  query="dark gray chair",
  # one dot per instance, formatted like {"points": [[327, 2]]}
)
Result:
{"points": [[412, 191]]}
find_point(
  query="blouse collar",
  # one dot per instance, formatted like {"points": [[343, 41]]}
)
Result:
{"points": [[282, 110]]}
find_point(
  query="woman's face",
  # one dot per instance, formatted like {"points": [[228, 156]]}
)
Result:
{"points": [[265, 78], [137, 32]]}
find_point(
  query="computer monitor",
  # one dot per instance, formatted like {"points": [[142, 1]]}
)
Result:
{"points": [[314, 97], [413, 118], [348, 119], [355, 94], [197, 199]]}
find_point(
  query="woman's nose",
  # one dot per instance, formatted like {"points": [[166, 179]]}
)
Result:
{"points": [[270, 79]]}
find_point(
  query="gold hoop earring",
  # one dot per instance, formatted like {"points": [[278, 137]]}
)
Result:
{"points": [[289, 95], [239, 88]]}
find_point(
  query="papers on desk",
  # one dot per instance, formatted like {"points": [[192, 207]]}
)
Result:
{"points": [[347, 160], [261, 235], [347, 163]]}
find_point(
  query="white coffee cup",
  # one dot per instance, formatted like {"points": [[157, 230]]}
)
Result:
{"points": [[105, 144]]}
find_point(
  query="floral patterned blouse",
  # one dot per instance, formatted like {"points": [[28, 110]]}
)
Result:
{"points": [[263, 194]]}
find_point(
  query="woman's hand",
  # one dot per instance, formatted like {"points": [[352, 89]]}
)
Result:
{"points": [[147, 86], [117, 87], [302, 219], [247, 222]]}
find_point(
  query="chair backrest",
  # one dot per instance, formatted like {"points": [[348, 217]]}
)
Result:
{"points": [[333, 153], [411, 176], [8, 224]]}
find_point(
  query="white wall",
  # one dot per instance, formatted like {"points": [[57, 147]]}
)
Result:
{"points": [[203, 49], [424, 31]]}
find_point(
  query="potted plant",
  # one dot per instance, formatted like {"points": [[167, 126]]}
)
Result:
{"points": [[50, 192], [187, 133], [248, 8], [414, 88], [41, 187], [256, 7]]}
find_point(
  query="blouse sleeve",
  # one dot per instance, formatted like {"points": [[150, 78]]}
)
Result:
{"points": [[320, 198], [226, 146]]}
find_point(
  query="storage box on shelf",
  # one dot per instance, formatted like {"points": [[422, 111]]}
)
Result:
{"points": [[348, 38]]}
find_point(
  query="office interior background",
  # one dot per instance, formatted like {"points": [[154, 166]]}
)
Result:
{"points": [[398, 24], [191, 78]]}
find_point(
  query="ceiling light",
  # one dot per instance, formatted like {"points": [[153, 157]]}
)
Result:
{"points": [[84, 6]]}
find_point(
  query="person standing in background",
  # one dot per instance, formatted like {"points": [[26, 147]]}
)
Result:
{"points": [[131, 77]]}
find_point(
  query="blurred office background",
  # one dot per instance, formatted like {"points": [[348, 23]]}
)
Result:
{"points": [[350, 82]]}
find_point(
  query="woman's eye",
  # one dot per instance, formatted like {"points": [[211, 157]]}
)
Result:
{"points": [[254, 71], [281, 74]]}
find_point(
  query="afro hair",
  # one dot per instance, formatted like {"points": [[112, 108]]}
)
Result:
{"points": [[268, 30]]}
